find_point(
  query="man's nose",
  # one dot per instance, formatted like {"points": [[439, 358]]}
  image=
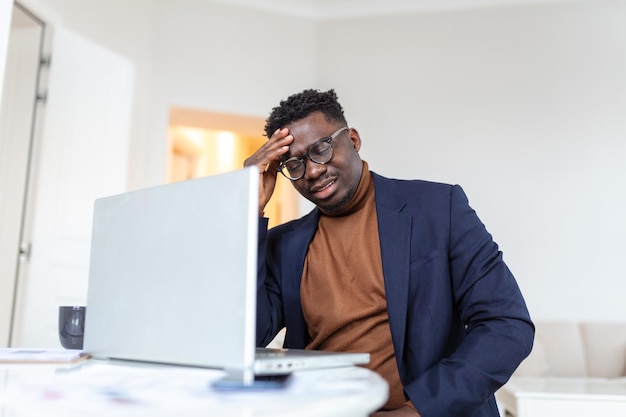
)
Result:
{"points": [[313, 169]]}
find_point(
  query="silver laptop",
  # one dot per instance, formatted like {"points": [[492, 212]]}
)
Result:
{"points": [[172, 279]]}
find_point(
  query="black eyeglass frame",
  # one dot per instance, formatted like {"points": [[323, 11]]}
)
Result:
{"points": [[301, 158]]}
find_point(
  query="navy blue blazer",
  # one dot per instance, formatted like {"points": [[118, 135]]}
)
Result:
{"points": [[459, 323]]}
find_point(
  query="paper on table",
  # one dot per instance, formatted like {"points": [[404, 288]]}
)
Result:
{"points": [[29, 355]]}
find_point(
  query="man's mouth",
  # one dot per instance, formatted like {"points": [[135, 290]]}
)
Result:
{"points": [[321, 188]]}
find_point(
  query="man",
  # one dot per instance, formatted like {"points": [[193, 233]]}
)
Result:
{"points": [[403, 270]]}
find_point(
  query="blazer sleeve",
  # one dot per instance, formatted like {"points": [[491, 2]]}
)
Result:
{"points": [[269, 305], [498, 332]]}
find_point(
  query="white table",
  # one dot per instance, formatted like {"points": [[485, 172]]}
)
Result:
{"points": [[99, 388], [563, 397]]}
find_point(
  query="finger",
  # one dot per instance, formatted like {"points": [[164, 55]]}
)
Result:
{"points": [[278, 143], [271, 151]]}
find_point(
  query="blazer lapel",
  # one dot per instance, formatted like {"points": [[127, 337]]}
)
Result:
{"points": [[394, 229]]}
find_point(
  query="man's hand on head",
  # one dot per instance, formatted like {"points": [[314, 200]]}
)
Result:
{"points": [[267, 159]]}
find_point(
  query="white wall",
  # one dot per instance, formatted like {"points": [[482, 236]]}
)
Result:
{"points": [[525, 107], [227, 59]]}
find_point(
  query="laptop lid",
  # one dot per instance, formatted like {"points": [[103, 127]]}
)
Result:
{"points": [[172, 276]]}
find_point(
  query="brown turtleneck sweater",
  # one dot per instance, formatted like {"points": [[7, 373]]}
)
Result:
{"points": [[343, 292]]}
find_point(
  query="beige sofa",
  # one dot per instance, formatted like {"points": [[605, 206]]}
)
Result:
{"points": [[577, 349], [570, 358]]}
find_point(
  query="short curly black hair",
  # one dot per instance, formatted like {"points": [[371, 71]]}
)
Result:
{"points": [[300, 105]]}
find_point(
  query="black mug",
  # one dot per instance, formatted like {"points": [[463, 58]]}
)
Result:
{"points": [[72, 326]]}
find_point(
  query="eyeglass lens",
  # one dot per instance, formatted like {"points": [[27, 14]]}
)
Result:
{"points": [[320, 153]]}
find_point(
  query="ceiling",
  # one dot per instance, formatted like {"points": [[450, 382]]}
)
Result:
{"points": [[324, 9], [328, 9]]}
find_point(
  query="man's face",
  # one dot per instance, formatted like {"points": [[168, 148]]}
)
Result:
{"points": [[329, 186]]}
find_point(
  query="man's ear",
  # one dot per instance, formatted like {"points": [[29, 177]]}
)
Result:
{"points": [[355, 138]]}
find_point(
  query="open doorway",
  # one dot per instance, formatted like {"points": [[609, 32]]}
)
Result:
{"points": [[205, 143]]}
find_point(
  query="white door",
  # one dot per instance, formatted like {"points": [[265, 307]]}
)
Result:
{"points": [[83, 152], [17, 111]]}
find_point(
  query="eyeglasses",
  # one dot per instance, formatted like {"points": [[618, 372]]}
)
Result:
{"points": [[321, 152]]}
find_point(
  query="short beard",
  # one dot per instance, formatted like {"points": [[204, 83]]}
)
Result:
{"points": [[337, 208]]}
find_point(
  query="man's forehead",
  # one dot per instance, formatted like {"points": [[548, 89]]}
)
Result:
{"points": [[309, 130], [299, 146]]}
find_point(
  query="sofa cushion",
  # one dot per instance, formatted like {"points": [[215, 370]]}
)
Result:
{"points": [[557, 351], [605, 348]]}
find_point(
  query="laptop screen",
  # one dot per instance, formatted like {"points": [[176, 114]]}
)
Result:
{"points": [[172, 275]]}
